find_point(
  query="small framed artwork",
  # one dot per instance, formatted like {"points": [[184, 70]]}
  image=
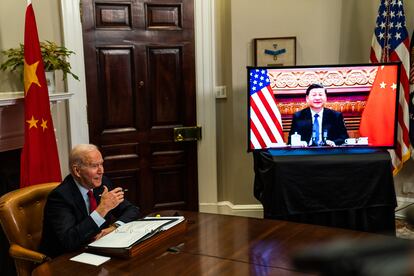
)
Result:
{"points": [[275, 51]]}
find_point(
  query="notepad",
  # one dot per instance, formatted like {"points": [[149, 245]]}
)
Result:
{"points": [[174, 221], [132, 232], [91, 259]]}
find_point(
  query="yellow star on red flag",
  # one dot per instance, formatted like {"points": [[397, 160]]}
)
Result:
{"points": [[30, 75], [32, 122], [44, 124]]}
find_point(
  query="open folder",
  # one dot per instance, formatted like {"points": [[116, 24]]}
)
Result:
{"points": [[131, 233]]}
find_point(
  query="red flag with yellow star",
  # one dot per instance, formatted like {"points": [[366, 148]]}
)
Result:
{"points": [[380, 107], [39, 159]]}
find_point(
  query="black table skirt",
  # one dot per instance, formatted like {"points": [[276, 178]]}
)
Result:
{"points": [[334, 187]]}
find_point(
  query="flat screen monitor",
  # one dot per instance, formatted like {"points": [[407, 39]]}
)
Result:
{"points": [[355, 106]]}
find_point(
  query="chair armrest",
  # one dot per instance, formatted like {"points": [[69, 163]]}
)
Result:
{"points": [[18, 252]]}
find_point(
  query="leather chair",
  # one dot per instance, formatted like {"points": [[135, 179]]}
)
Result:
{"points": [[21, 216]]}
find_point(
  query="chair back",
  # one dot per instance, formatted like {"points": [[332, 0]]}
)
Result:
{"points": [[21, 215]]}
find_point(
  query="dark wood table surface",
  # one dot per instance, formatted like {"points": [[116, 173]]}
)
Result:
{"points": [[216, 245]]}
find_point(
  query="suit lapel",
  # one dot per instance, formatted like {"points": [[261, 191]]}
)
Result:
{"points": [[325, 118], [77, 198], [308, 114], [308, 118], [97, 192]]}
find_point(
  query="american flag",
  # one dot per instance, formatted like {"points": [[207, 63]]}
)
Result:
{"points": [[391, 43], [265, 119]]}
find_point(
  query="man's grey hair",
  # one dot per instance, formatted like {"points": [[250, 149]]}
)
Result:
{"points": [[77, 154]]}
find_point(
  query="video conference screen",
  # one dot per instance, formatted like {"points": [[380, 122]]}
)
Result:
{"points": [[327, 106]]}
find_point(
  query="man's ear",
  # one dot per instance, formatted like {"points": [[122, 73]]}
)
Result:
{"points": [[76, 170]]}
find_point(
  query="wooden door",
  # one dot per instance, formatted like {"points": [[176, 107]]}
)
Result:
{"points": [[140, 75]]}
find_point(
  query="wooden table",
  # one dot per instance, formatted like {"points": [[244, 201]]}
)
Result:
{"points": [[216, 245]]}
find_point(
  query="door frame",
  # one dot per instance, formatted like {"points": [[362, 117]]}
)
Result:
{"points": [[205, 83]]}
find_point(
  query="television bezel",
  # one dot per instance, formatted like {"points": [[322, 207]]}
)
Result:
{"points": [[393, 146]]}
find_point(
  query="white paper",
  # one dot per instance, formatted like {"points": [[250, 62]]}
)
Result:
{"points": [[129, 233], [276, 145], [176, 220], [92, 259]]}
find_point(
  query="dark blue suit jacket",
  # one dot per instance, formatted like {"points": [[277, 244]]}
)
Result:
{"points": [[67, 225], [332, 122]]}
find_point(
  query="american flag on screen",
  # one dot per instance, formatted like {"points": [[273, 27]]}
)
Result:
{"points": [[391, 43], [265, 119]]}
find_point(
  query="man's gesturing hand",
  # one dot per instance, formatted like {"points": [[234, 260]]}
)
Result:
{"points": [[109, 200]]}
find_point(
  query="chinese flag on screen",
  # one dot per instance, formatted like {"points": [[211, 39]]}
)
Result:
{"points": [[378, 117], [39, 158]]}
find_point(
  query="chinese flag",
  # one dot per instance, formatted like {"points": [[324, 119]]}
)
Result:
{"points": [[39, 158], [380, 107]]}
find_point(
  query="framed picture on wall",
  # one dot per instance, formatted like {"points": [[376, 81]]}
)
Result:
{"points": [[275, 51]]}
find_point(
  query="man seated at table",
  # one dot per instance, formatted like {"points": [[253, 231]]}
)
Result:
{"points": [[317, 124], [84, 206]]}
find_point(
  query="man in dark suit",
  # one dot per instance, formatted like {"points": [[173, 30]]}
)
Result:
{"points": [[84, 207], [317, 124]]}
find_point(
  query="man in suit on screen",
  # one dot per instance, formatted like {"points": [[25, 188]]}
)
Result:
{"points": [[317, 124], [85, 206]]}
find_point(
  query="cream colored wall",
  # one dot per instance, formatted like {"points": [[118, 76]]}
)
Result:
{"points": [[357, 26], [327, 32], [12, 17], [11, 34], [223, 77]]}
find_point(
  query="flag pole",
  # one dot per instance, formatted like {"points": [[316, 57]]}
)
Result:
{"points": [[385, 52]]}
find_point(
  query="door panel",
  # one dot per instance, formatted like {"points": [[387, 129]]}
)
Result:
{"points": [[166, 86], [140, 75], [116, 88]]}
